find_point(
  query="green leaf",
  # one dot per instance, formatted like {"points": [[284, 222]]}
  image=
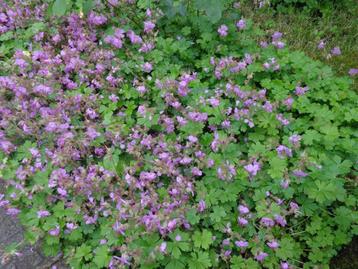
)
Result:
{"points": [[218, 214], [101, 258], [192, 217], [175, 264], [200, 260], [84, 252], [87, 6], [41, 177], [277, 167], [202, 239], [59, 8], [287, 249], [213, 8]]}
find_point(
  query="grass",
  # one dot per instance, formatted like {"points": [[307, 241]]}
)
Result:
{"points": [[303, 31]]}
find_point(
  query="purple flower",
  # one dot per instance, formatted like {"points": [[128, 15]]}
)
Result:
{"points": [[201, 206], [214, 102], [6, 146], [353, 72], [242, 221], [294, 207], [91, 113], [113, 2], [196, 172], [226, 242], [241, 244], [276, 36], [96, 19], [336, 51], [71, 226], [42, 89], [222, 30], [163, 247], [280, 220], [267, 222], [261, 256], [147, 176], [273, 244], [148, 26], [134, 38], [147, 67], [178, 238], [284, 265], [263, 44], [295, 139], [42, 214], [62, 191], [172, 224], [192, 139], [55, 231], [278, 44], [141, 89], [321, 44], [243, 209], [301, 90], [283, 151], [299, 173], [252, 168], [12, 211], [92, 133], [283, 120], [210, 163], [21, 63], [241, 24]]}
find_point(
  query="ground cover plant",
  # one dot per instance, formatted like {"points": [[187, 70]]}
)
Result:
{"points": [[172, 134]]}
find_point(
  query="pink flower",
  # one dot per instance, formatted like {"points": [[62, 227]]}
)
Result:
{"points": [[201, 206], [242, 221], [261, 256], [301, 90], [241, 244], [163, 247], [148, 26], [353, 72], [267, 222], [196, 171], [276, 36], [321, 45], [55, 231], [252, 168], [42, 214], [336, 51], [283, 151], [222, 30], [96, 19], [241, 24], [141, 89], [273, 244], [295, 139], [147, 67], [243, 209]]}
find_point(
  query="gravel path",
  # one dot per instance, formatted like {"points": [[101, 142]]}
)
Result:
{"points": [[30, 256]]}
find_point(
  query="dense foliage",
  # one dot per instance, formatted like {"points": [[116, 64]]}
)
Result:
{"points": [[164, 135]]}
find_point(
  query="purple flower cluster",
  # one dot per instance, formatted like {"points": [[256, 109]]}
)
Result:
{"points": [[129, 143]]}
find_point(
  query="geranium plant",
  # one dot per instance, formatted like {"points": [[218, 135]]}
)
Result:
{"points": [[169, 134]]}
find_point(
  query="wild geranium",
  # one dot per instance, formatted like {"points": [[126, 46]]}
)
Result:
{"points": [[140, 135]]}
